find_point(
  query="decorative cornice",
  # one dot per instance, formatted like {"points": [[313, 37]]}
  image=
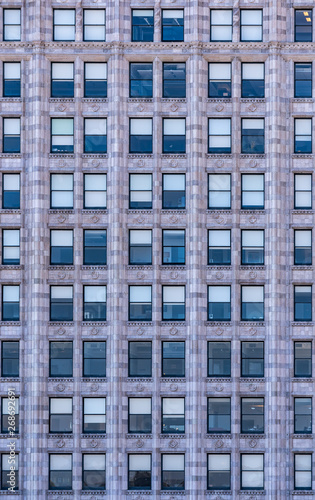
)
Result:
{"points": [[90, 379], [138, 436], [85, 211], [63, 155], [213, 380], [61, 379], [95, 99], [139, 323], [10, 323], [10, 155], [136, 100], [171, 156], [306, 323], [245, 156], [173, 380], [11, 99], [302, 157], [213, 157], [301, 379], [136, 156], [137, 380], [102, 156]]}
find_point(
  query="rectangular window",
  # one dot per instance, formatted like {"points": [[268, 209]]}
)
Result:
{"points": [[303, 135], [303, 471], [219, 136], [219, 472], [94, 415], [140, 417], [95, 190], [174, 191], [302, 303], [61, 303], [60, 415], [60, 472], [10, 303], [95, 79], [11, 25], [220, 80], [172, 25], [303, 191], [60, 359], [302, 79], [219, 191], [173, 415], [142, 25], [173, 359], [61, 191], [94, 247], [62, 135], [173, 472], [11, 135], [219, 303], [94, 307], [252, 415], [253, 191], [94, 359], [219, 359], [303, 247], [93, 472], [140, 135], [174, 135], [62, 79], [253, 80], [61, 247], [173, 246], [219, 250], [140, 303], [140, 359], [221, 25], [173, 307], [64, 25], [252, 354], [139, 472], [11, 79], [253, 247], [252, 472], [303, 25], [94, 25], [252, 303], [11, 191], [140, 247], [7, 462], [219, 415], [9, 416], [140, 191], [95, 135], [302, 359], [302, 415], [251, 25], [10, 359], [174, 80], [253, 135], [141, 80], [11, 247]]}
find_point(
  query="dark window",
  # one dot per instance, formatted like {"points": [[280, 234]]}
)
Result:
{"points": [[62, 82], [93, 472], [61, 191], [61, 247], [172, 25], [173, 307], [173, 359], [95, 135], [10, 415], [11, 25], [60, 415], [10, 303], [253, 191], [303, 191], [11, 247], [140, 303], [11, 79], [94, 25], [251, 25], [11, 191], [61, 303], [303, 471], [219, 249], [253, 247], [174, 135], [173, 246], [252, 417], [173, 415], [94, 247], [140, 246], [252, 303], [221, 25], [140, 419], [252, 359], [140, 191], [94, 306], [94, 359], [303, 415], [302, 359], [219, 415], [142, 25], [219, 191], [7, 462], [303, 80], [253, 80], [252, 472], [174, 191], [174, 80], [64, 25], [219, 136], [95, 190], [11, 135], [220, 84], [141, 79], [219, 359], [302, 303], [219, 303], [60, 359], [140, 136], [253, 135], [303, 247], [10, 359], [303, 135], [62, 135], [140, 359], [139, 472], [95, 81], [303, 25], [94, 415], [219, 472], [173, 472], [60, 472]]}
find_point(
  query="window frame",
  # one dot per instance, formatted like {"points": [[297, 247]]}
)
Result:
{"points": [[296, 80], [130, 372], [310, 471], [90, 25], [61, 360], [296, 191], [97, 472], [54, 26], [140, 191], [165, 372], [249, 374], [242, 25], [85, 358], [296, 358], [309, 317], [214, 373], [257, 470], [142, 96], [133, 25], [221, 40], [296, 9], [4, 80], [218, 471], [50, 481], [180, 95], [168, 39], [5, 39]]}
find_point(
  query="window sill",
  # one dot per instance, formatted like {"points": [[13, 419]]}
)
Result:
{"points": [[10, 155], [173, 379], [303, 379], [302, 99], [218, 492], [252, 492], [9, 379], [172, 267], [57, 493], [218, 323], [94, 322], [60, 155], [61, 267], [252, 380], [18, 267], [11, 99], [254, 211], [219, 155], [253, 99], [60, 436], [101, 267], [173, 99], [94, 155], [225, 100], [302, 323], [138, 380], [10, 323], [61, 323], [88, 211], [252, 155], [213, 380], [140, 99], [139, 323], [139, 436], [134, 156], [303, 436], [100, 380], [300, 156], [94, 436], [252, 267], [14, 436], [94, 99], [61, 99], [173, 492], [302, 268], [173, 155], [60, 379], [172, 322], [305, 211], [173, 436]]}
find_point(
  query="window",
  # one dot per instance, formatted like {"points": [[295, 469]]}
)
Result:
{"points": [[94, 307], [219, 250], [302, 303], [93, 473], [94, 25], [61, 247], [251, 25], [252, 416], [303, 191], [252, 303], [219, 472], [253, 247], [7, 462], [94, 359], [140, 303], [303, 25], [174, 135], [60, 472], [219, 415], [10, 303], [253, 135], [174, 80], [220, 80], [142, 25], [60, 415], [140, 359], [303, 471], [140, 246], [95, 138], [252, 472], [11, 247], [302, 359], [11, 135], [94, 247], [173, 472], [173, 415], [95, 187], [140, 137], [221, 25], [61, 303], [10, 359], [253, 191], [173, 308], [140, 418], [302, 415], [10, 416], [141, 80], [173, 246], [61, 191], [11, 191], [253, 80], [219, 135], [252, 354], [140, 191], [11, 79], [139, 472], [62, 135], [60, 359], [172, 25], [303, 80], [219, 191], [62, 82], [11, 25], [219, 359], [94, 415], [95, 79], [219, 303], [303, 135], [173, 359], [174, 191], [303, 247], [64, 25]]}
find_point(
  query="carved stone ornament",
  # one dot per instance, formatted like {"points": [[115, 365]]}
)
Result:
{"points": [[220, 219], [62, 1], [140, 163], [140, 388], [61, 331], [252, 275], [252, 387], [173, 163], [60, 387], [140, 275], [252, 443], [94, 387], [60, 443], [173, 443], [139, 443], [61, 219], [253, 219], [94, 275], [140, 331], [173, 331], [95, 219], [95, 163], [173, 219], [219, 163], [94, 331], [94, 443], [219, 388], [140, 219], [94, 107], [219, 107], [218, 444], [253, 163], [174, 107], [62, 107], [62, 163], [174, 275], [140, 107], [252, 332], [219, 331], [219, 275], [252, 107], [61, 276], [173, 387]]}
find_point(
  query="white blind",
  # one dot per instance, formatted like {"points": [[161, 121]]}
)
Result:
{"points": [[12, 71], [253, 182], [303, 462], [139, 182], [219, 238], [94, 406], [61, 238], [96, 71], [218, 462], [219, 126], [219, 182], [303, 182], [252, 462], [220, 71], [140, 293], [11, 293], [7, 462], [62, 126], [11, 237], [60, 462], [94, 462], [173, 406], [252, 293], [253, 71], [94, 16], [140, 406], [174, 182], [303, 289], [253, 123], [219, 293], [251, 16], [5, 406], [173, 14], [140, 237], [303, 238], [303, 126], [64, 16], [95, 182], [173, 462], [95, 126], [11, 182], [12, 16], [95, 294], [62, 71], [61, 405], [62, 182], [61, 292], [141, 126], [173, 294], [139, 462], [174, 126], [253, 238], [143, 12], [221, 17], [11, 126]]}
